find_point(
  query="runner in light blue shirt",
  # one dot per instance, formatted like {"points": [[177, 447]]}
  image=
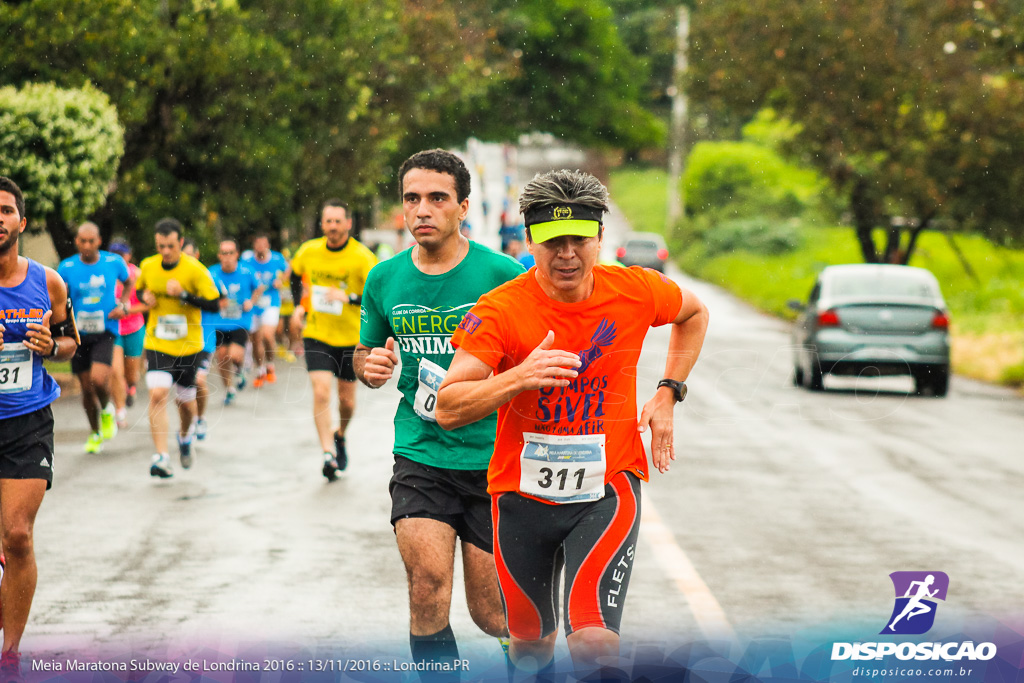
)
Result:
{"points": [[92, 276], [270, 267]]}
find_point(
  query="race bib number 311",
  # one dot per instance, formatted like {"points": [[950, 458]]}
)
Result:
{"points": [[563, 469]]}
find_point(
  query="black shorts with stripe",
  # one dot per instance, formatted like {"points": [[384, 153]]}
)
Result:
{"points": [[26, 446], [595, 542]]}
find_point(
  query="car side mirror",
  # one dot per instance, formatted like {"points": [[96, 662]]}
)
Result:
{"points": [[795, 305]]}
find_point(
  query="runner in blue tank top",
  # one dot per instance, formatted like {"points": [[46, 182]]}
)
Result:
{"points": [[34, 324]]}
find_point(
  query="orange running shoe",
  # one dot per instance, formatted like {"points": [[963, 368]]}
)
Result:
{"points": [[258, 382], [271, 376]]}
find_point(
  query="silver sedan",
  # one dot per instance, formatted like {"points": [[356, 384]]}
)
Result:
{"points": [[873, 319]]}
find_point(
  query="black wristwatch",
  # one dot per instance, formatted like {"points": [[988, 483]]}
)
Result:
{"points": [[678, 388], [55, 350]]}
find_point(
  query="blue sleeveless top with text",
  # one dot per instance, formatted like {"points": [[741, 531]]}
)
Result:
{"points": [[25, 386]]}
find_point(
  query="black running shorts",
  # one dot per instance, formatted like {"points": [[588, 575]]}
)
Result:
{"points": [[456, 497], [182, 369], [95, 348], [235, 336], [594, 541], [333, 359], [26, 446]]}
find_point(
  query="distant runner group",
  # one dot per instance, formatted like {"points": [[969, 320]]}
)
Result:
{"points": [[517, 434]]}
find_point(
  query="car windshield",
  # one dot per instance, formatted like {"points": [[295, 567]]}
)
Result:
{"points": [[884, 285], [642, 244]]}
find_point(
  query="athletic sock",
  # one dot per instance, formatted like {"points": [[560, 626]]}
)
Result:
{"points": [[439, 648]]}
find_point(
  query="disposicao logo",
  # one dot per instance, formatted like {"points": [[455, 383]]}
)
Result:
{"points": [[917, 598], [917, 594]]}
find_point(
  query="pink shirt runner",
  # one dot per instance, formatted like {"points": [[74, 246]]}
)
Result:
{"points": [[135, 321]]}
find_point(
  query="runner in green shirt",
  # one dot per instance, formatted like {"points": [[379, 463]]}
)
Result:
{"points": [[411, 305]]}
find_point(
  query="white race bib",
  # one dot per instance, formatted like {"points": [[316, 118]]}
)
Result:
{"points": [[563, 468], [171, 327], [15, 368], [91, 322], [430, 376], [231, 311], [321, 304]]}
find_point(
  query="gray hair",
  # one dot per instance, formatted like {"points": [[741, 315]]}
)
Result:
{"points": [[565, 186]]}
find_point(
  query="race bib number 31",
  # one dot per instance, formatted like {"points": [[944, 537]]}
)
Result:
{"points": [[563, 469], [430, 377], [15, 368]]}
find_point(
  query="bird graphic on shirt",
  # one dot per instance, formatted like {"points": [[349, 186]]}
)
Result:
{"points": [[603, 337]]}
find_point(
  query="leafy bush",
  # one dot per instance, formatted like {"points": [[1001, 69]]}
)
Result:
{"points": [[755, 235], [62, 146]]}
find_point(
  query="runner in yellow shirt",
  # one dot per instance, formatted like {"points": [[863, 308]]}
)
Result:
{"points": [[334, 269], [177, 288]]}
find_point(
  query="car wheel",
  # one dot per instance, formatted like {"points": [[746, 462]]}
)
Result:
{"points": [[922, 381], [940, 380], [816, 380]]}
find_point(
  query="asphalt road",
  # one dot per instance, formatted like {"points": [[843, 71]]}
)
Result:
{"points": [[786, 511]]}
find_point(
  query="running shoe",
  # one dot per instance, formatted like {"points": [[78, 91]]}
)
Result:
{"points": [[229, 397], [94, 444], [241, 381], [10, 666], [331, 468], [185, 450], [339, 448], [122, 419], [108, 422], [129, 399], [290, 357], [271, 376], [201, 428], [257, 382], [161, 466]]}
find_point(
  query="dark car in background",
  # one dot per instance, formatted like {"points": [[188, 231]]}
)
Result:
{"points": [[876, 320], [645, 249]]}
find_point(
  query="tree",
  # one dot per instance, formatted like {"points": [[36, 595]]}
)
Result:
{"points": [[896, 106], [558, 66], [62, 147]]}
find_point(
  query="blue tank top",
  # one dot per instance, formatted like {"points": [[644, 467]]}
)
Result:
{"points": [[25, 386]]}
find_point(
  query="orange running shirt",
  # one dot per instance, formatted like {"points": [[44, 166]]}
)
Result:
{"points": [[607, 331]]}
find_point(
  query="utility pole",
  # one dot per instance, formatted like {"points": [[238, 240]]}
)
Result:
{"points": [[677, 135]]}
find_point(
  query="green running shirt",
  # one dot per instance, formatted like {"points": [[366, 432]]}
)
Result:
{"points": [[421, 312]]}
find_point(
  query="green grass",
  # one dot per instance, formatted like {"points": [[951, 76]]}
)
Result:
{"points": [[987, 312], [642, 194]]}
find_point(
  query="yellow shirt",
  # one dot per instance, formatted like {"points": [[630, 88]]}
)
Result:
{"points": [[175, 328], [334, 323]]}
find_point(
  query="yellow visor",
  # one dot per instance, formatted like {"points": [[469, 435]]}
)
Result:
{"points": [[542, 232]]}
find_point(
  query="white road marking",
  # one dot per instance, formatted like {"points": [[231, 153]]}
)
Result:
{"points": [[673, 561]]}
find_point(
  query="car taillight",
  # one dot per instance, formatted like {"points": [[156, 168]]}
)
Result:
{"points": [[620, 252], [828, 318], [663, 254], [940, 321]]}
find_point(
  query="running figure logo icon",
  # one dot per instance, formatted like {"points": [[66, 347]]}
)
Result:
{"points": [[916, 596]]}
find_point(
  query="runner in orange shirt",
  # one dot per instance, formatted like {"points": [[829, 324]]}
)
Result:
{"points": [[555, 352]]}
